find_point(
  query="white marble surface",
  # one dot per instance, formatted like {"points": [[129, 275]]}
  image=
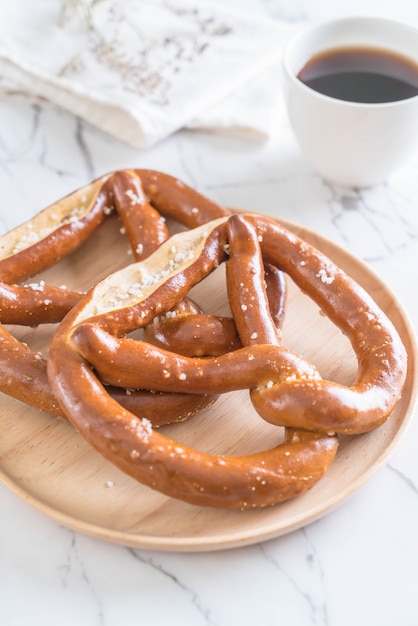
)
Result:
{"points": [[358, 564]]}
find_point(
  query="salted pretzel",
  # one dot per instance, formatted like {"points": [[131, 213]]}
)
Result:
{"points": [[142, 200], [90, 348], [56, 232]]}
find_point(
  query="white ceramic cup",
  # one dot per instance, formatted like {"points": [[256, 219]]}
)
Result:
{"points": [[349, 143]]}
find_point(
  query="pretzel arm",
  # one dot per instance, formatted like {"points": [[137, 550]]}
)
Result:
{"points": [[23, 375], [247, 292], [187, 330], [176, 200], [121, 362], [382, 359], [53, 233], [35, 304], [199, 334], [143, 225]]}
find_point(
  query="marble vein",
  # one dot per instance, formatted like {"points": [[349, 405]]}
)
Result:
{"points": [[75, 568], [84, 150], [308, 584], [203, 611], [408, 482]]}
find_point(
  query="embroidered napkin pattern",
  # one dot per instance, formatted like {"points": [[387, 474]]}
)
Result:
{"points": [[140, 70]]}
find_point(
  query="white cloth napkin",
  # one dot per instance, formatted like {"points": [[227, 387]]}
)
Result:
{"points": [[140, 70]]}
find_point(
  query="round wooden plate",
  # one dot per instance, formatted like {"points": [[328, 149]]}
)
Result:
{"points": [[47, 463]]}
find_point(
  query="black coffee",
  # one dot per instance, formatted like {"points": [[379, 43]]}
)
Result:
{"points": [[362, 74]]}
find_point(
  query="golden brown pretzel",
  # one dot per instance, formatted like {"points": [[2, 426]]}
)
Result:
{"points": [[91, 337], [56, 232]]}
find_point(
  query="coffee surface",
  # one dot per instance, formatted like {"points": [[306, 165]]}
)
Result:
{"points": [[362, 74]]}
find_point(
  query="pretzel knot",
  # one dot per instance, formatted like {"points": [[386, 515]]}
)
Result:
{"points": [[91, 350]]}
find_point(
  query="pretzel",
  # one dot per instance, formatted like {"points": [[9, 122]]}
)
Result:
{"points": [[57, 231], [63, 227], [285, 389]]}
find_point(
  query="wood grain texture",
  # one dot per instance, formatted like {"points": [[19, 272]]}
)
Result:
{"points": [[47, 463]]}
